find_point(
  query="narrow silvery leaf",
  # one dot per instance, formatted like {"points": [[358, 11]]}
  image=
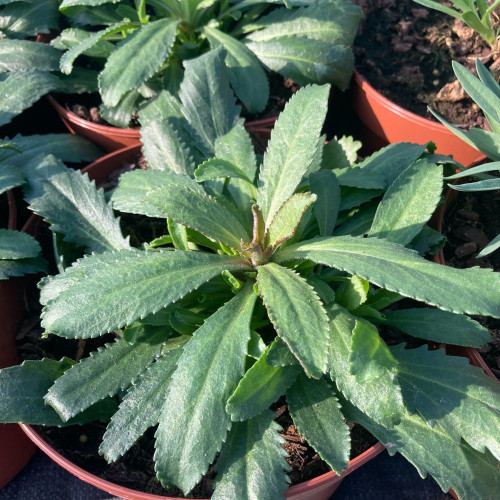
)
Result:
{"points": [[133, 187], [370, 357], [206, 375], [325, 186], [380, 398], [201, 212], [140, 408], [446, 390], [438, 326], [403, 213], [316, 413], [110, 369], [297, 315], [432, 451], [391, 266], [166, 140], [252, 447], [97, 294], [207, 100], [76, 208], [246, 75], [24, 55], [291, 148], [261, 386], [136, 58], [288, 217], [20, 90], [17, 245]]}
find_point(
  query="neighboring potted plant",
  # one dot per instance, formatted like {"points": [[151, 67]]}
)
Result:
{"points": [[385, 121], [139, 49], [263, 274]]}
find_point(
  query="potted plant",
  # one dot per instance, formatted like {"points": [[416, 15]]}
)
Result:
{"points": [[262, 274], [385, 121], [308, 43]]}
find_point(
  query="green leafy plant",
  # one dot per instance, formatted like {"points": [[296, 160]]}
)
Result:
{"points": [[139, 47], [477, 14], [29, 70], [485, 91], [271, 280]]}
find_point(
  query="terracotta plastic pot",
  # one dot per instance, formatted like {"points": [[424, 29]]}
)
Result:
{"points": [[15, 449], [111, 138], [383, 122], [320, 488]]}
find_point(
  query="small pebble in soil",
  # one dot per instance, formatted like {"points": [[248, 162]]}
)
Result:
{"points": [[466, 249], [83, 438]]}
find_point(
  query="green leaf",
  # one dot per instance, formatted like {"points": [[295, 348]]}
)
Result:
{"points": [[279, 354], [73, 37], [246, 74], [20, 90], [90, 3], [24, 55], [165, 136], [133, 187], [390, 266], [98, 293], [207, 100], [358, 222], [86, 43], [252, 447], [23, 388], [291, 148], [381, 397], [66, 147], [179, 235], [194, 423], [306, 60], [403, 211], [446, 390], [325, 186], [370, 357], [141, 407], [17, 245], [389, 162], [352, 197], [10, 177], [105, 372], [438, 326], [453, 465], [215, 168], [29, 18], [427, 241], [74, 207], [288, 217], [316, 414], [201, 212], [136, 59], [20, 267], [261, 386], [297, 315], [352, 293], [121, 114]]}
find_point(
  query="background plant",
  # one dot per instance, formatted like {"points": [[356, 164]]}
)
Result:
{"points": [[480, 15], [259, 288], [139, 47]]}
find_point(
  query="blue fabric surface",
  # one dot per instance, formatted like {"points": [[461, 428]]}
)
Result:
{"points": [[383, 478]]}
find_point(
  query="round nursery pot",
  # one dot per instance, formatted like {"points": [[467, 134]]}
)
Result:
{"points": [[383, 122], [15, 449], [320, 488], [111, 138]]}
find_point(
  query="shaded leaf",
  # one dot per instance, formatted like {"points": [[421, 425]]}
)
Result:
{"points": [[17, 245], [325, 186]]}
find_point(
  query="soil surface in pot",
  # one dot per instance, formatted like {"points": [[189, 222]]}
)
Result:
{"points": [[405, 51], [469, 224]]}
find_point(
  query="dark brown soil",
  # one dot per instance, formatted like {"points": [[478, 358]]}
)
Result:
{"points": [[405, 52], [473, 220]]}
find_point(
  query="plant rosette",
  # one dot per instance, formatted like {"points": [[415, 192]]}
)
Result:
{"points": [[272, 278]]}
